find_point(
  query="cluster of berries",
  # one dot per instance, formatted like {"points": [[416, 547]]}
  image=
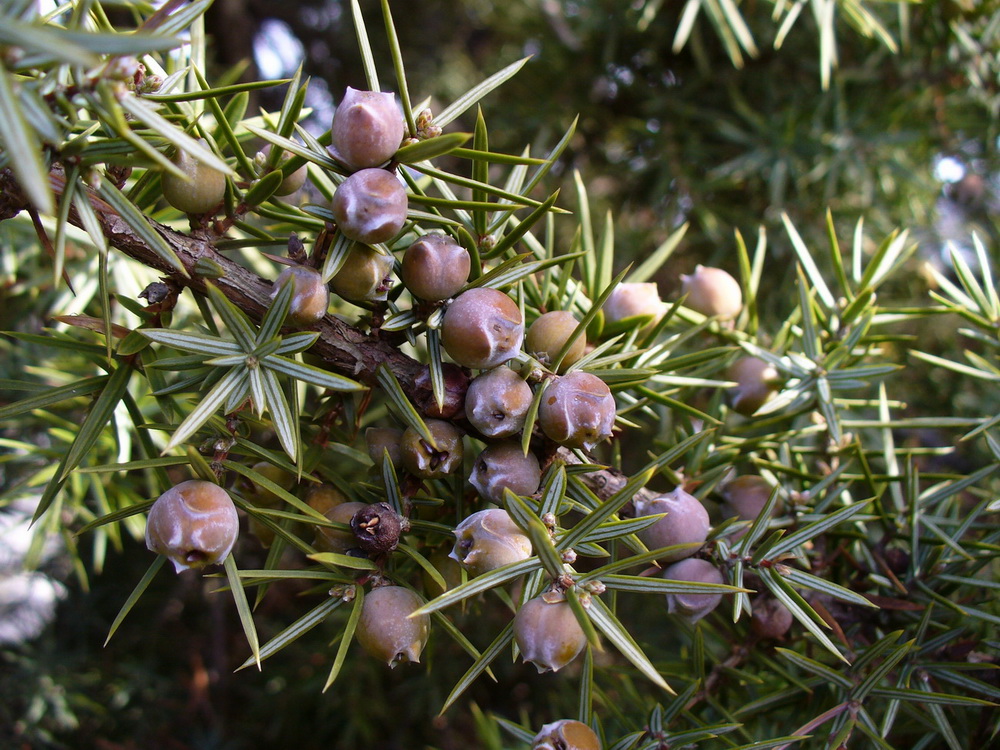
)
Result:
{"points": [[483, 329]]}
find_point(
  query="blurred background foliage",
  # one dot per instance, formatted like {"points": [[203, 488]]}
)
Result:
{"points": [[687, 113]]}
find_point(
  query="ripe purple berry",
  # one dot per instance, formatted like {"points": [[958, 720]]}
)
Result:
{"points": [[497, 402], [488, 540], [577, 410], [566, 734], [386, 630], [712, 292], [193, 524], [367, 128], [435, 267], [505, 466], [549, 333], [686, 522], [547, 632], [771, 619], [482, 328], [692, 607], [422, 459], [310, 297], [370, 206], [632, 300], [365, 275]]}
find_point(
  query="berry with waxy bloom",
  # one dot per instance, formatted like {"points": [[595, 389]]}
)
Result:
{"points": [[547, 632], [549, 333], [771, 619], [370, 206], [482, 328], [435, 267], [497, 402], [385, 628], [503, 466], [310, 296], [747, 495], [712, 292], [692, 607], [577, 410], [428, 461], [193, 524], [566, 734], [365, 275], [200, 190], [367, 128], [381, 439], [757, 381], [633, 300], [489, 539], [686, 522], [329, 539]]}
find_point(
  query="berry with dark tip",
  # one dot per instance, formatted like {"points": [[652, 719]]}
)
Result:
{"points": [[193, 524], [505, 466], [385, 628], [577, 410], [497, 402], [547, 632], [489, 539], [430, 461]]}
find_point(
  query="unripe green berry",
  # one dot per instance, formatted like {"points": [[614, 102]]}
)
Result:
{"points": [[488, 540], [505, 466], [692, 607], [365, 275], [370, 206], [549, 333], [757, 381], [712, 292], [385, 628], [547, 632], [566, 734], [686, 522], [200, 190], [329, 539], [577, 410], [378, 440], [633, 300], [310, 296], [482, 328], [367, 128], [497, 402], [193, 524], [435, 267], [323, 497], [261, 496], [293, 182], [427, 461]]}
